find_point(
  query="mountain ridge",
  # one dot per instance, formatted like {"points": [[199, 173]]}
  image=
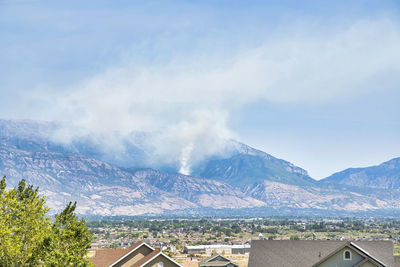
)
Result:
{"points": [[385, 176], [245, 180]]}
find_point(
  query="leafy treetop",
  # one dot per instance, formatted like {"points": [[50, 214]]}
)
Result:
{"points": [[29, 238]]}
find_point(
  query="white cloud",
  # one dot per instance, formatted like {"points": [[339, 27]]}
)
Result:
{"points": [[189, 99]]}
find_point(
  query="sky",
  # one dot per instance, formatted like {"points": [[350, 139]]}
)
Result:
{"points": [[312, 82]]}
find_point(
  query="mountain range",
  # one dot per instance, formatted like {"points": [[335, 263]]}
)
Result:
{"points": [[126, 179]]}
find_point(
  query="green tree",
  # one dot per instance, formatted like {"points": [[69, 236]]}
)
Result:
{"points": [[70, 239], [29, 238], [24, 228]]}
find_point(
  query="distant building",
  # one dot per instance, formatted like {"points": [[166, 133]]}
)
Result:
{"points": [[321, 253], [194, 249], [138, 255], [219, 249], [217, 261]]}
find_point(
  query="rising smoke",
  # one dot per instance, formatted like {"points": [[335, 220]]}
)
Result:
{"points": [[186, 102]]}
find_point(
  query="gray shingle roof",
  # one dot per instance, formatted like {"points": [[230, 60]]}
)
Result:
{"points": [[215, 263], [217, 260], [288, 253], [397, 261]]}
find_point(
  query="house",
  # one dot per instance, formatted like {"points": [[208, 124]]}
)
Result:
{"points": [[217, 261], [321, 253], [139, 254]]}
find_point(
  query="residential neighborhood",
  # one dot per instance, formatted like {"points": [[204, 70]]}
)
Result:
{"points": [[263, 253], [254, 241]]}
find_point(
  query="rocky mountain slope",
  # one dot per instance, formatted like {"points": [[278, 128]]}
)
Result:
{"points": [[205, 192], [241, 165], [41, 136], [384, 176], [101, 188], [98, 187], [107, 182], [252, 166], [316, 198]]}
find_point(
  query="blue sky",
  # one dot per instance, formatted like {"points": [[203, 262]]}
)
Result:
{"points": [[313, 82]]}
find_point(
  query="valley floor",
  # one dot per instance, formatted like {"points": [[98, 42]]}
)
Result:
{"points": [[175, 234]]}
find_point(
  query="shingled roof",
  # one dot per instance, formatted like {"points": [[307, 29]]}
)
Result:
{"points": [[147, 258], [308, 252], [217, 260], [113, 257], [106, 257], [397, 261]]}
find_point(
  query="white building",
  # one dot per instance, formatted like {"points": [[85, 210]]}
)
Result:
{"points": [[219, 249]]}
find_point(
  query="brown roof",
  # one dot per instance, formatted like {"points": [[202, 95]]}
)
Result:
{"points": [[106, 257], [308, 252], [147, 257]]}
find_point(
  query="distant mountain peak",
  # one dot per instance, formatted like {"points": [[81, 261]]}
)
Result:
{"points": [[385, 175]]}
